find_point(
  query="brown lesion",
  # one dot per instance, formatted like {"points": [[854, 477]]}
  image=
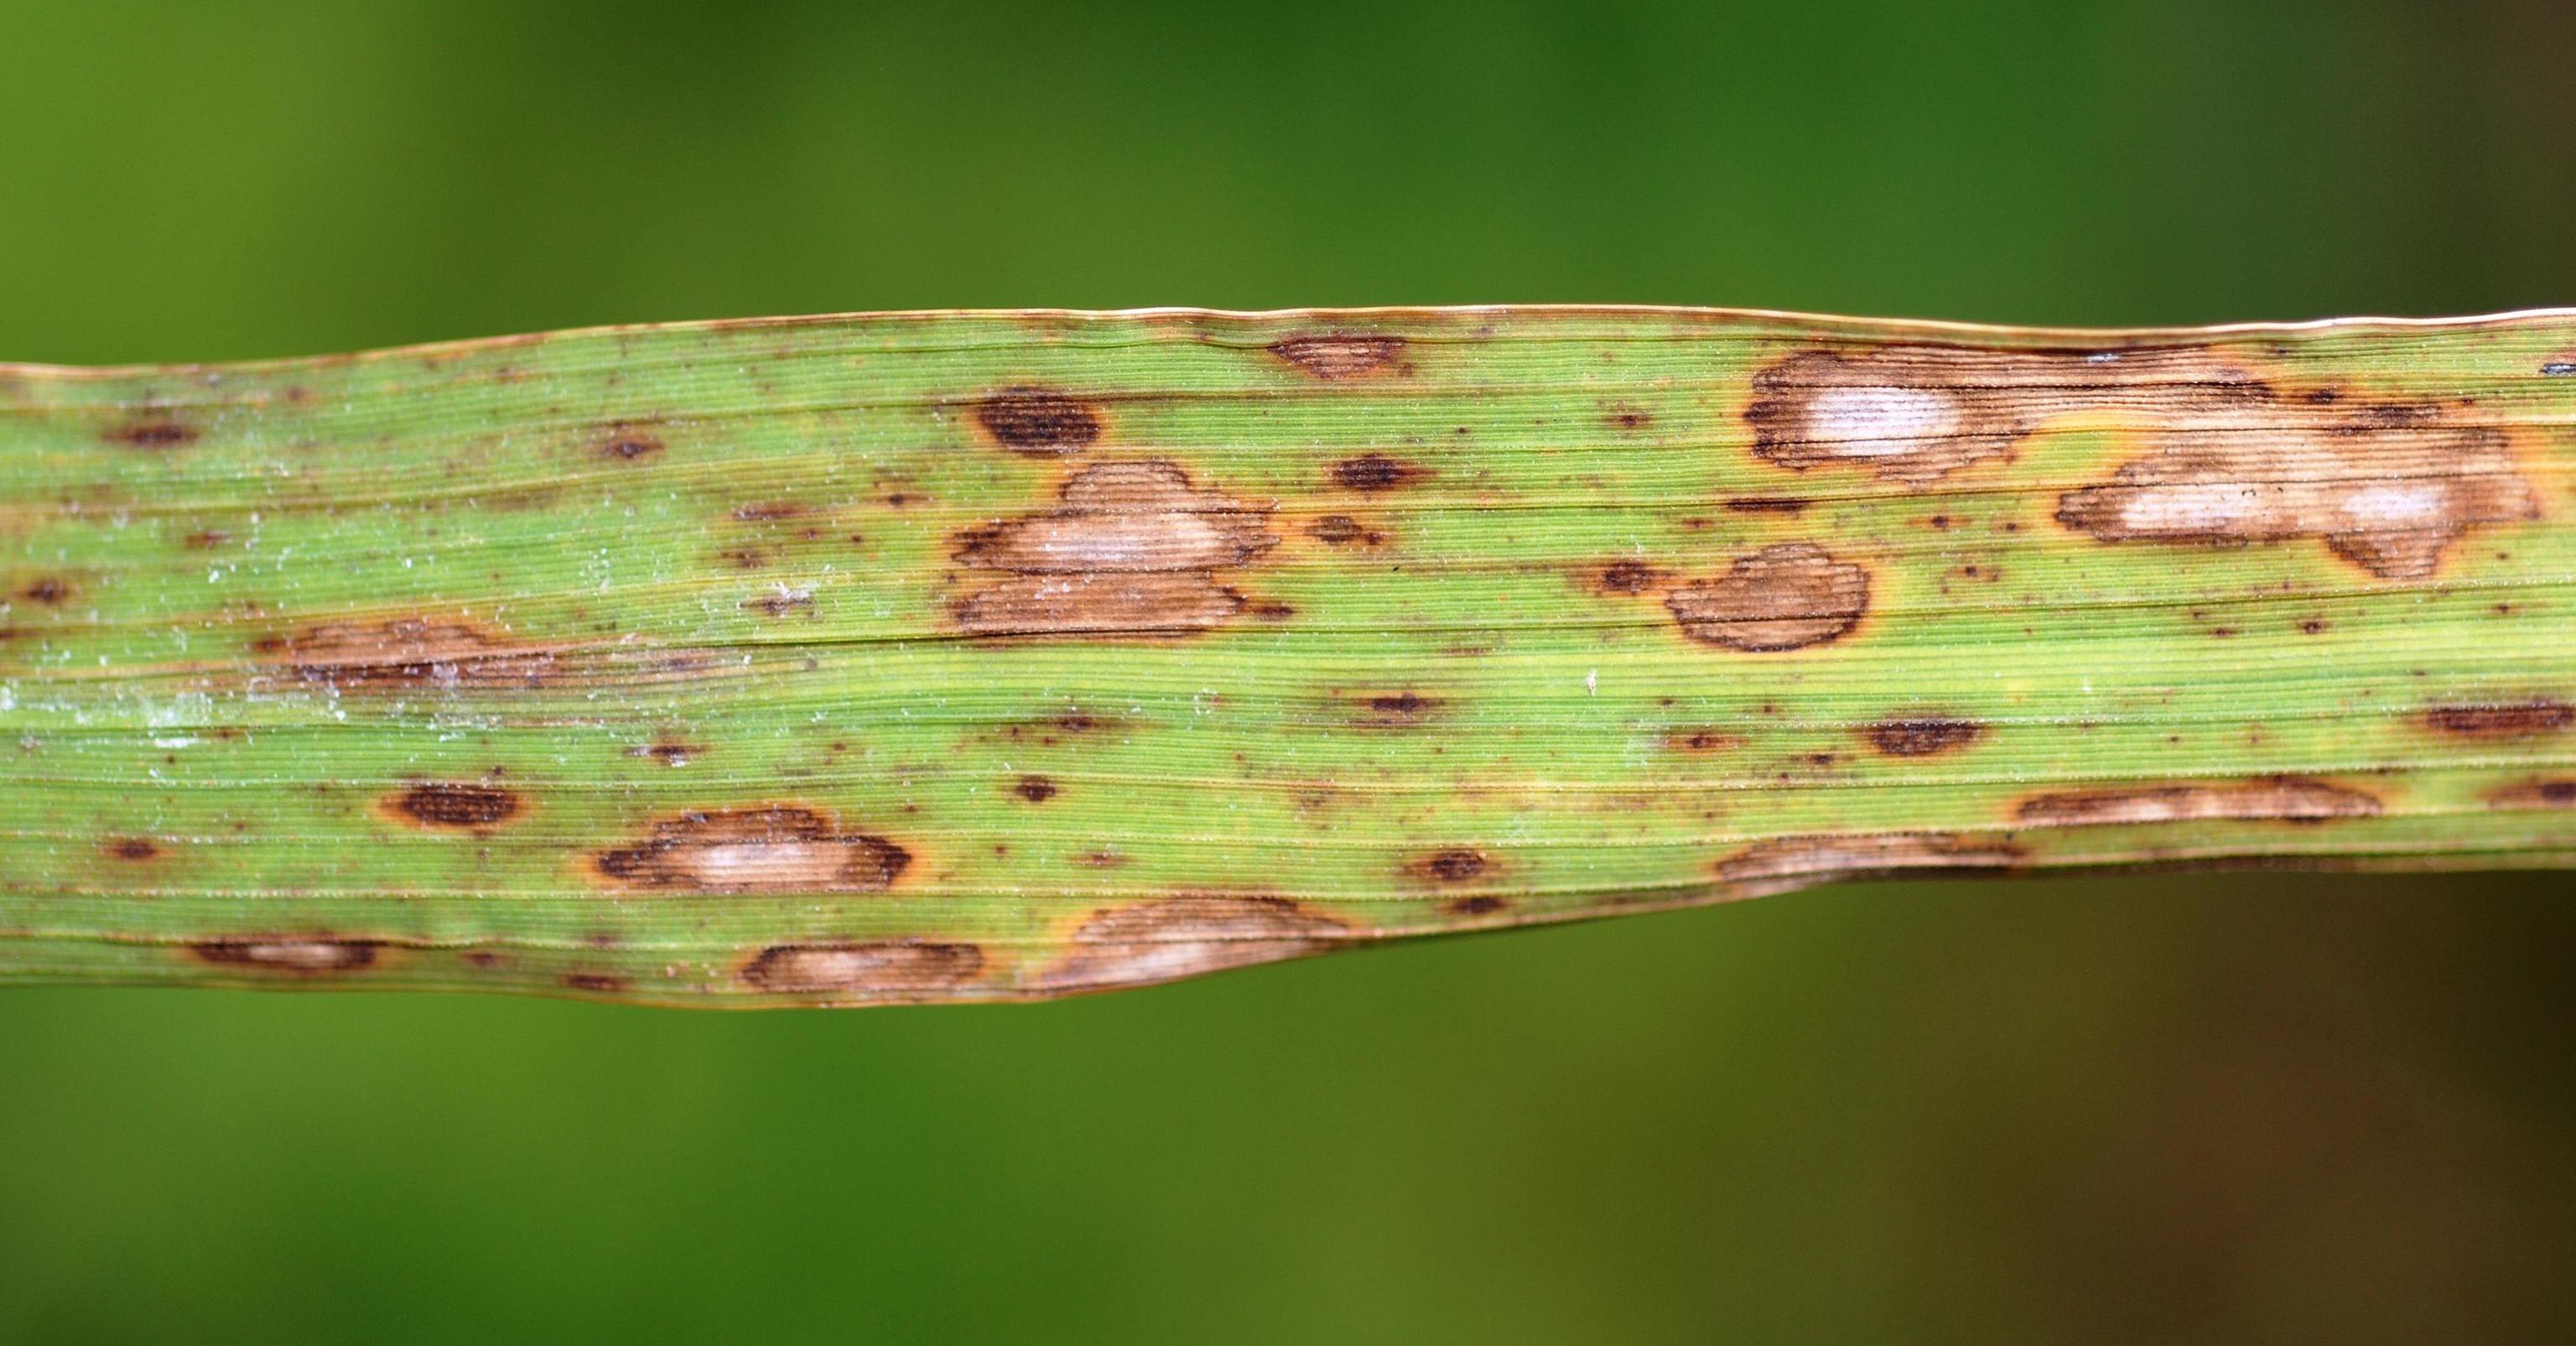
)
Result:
{"points": [[1923, 735], [2531, 717], [626, 442], [1177, 937], [153, 432], [1788, 596], [1784, 863], [2230, 457], [290, 955], [1389, 708], [434, 653], [778, 848], [51, 591], [2269, 799], [1039, 422], [1370, 473], [453, 805], [1702, 739], [1131, 548], [1453, 864], [133, 850], [1334, 356], [861, 971], [2542, 793]]}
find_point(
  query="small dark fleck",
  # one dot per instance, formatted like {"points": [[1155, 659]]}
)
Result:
{"points": [[135, 849], [598, 982], [1768, 504], [1482, 904], [1035, 789]]}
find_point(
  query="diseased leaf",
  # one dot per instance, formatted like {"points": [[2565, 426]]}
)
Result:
{"points": [[931, 657]]}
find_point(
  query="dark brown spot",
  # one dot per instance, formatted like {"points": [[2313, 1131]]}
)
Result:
{"points": [[134, 850], [2536, 794], [294, 955], [480, 959], [744, 558], [1768, 504], [782, 848], [1035, 789], [2518, 719], [2270, 799], [1376, 472], [1786, 863], [1037, 421], [1340, 355], [1923, 736], [1628, 577], [206, 539], [596, 983], [872, 970], [1628, 419], [1782, 597], [1184, 936], [1455, 865], [627, 444], [153, 434], [1482, 904], [1702, 740], [49, 590], [1134, 548], [455, 804]]}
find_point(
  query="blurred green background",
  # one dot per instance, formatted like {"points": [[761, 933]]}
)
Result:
{"points": [[2275, 1107]]}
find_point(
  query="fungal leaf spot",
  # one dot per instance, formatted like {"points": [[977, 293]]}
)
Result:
{"points": [[1039, 422], [780, 848], [1783, 597], [865, 971], [1132, 548], [2272, 799], [1336, 356]]}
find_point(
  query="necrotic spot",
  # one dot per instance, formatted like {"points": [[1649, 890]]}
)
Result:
{"points": [[872, 969], [1376, 472], [1037, 421], [1339, 355], [1455, 865], [773, 849], [451, 804], [291, 955], [2520, 719], [1923, 736], [157, 434], [1035, 789], [1783, 597]]}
